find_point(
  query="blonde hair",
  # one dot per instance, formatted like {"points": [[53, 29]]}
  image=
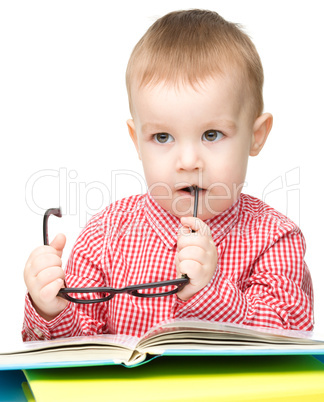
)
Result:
{"points": [[193, 45]]}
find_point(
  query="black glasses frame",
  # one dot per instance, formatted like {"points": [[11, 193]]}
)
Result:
{"points": [[52, 211], [133, 290]]}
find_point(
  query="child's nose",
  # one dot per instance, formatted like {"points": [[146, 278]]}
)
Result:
{"points": [[189, 158]]}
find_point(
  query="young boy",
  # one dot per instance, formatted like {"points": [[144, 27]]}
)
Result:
{"points": [[195, 92]]}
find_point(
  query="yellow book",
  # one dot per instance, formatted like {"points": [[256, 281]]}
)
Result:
{"points": [[186, 378]]}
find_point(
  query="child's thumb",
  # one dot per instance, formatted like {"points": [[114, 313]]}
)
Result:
{"points": [[59, 242]]}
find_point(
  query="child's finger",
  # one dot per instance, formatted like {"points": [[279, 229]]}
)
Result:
{"points": [[49, 275], [38, 251], [184, 231], [190, 268], [58, 243], [176, 261], [193, 239], [195, 224], [49, 292], [47, 250], [43, 261], [193, 253]]}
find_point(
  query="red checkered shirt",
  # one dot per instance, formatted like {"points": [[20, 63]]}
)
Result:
{"points": [[261, 278]]}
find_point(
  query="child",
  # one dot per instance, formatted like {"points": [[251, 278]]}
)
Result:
{"points": [[195, 92]]}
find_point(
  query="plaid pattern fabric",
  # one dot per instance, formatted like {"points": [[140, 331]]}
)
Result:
{"points": [[261, 278]]}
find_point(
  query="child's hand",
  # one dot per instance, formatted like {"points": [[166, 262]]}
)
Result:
{"points": [[196, 255], [44, 277]]}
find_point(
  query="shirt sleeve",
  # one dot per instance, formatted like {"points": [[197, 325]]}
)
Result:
{"points": [[83, 270], [278, 292]]}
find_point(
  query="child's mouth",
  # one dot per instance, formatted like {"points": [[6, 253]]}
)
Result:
{"points": [[191, 189]]}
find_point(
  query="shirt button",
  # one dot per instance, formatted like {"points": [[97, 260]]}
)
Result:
{"points": [[39, 333]]}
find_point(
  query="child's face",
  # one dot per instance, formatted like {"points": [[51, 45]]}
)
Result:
{"points": [[194, 137]]}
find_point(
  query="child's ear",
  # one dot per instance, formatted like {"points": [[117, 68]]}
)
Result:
{"points": [[133, 135], [261, 129]]}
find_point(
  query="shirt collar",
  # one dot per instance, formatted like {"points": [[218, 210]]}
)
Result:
{"points": [[220, 225], [166, 225]]}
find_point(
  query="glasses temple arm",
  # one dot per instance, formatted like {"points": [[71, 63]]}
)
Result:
{"points": [[52, 211]]}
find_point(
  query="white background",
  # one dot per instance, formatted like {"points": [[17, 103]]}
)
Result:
{"points": [[63, 112]]}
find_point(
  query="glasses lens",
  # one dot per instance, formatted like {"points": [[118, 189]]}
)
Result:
{"points": [[156, 291], [87, 298]]}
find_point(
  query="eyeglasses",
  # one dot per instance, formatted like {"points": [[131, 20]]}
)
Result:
{"points": [[103, 294]]}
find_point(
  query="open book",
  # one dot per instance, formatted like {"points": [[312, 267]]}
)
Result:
{"points": [[174, 337]]}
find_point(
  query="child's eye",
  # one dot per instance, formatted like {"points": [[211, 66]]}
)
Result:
{"points": [[163, 138], [212, 135]]}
